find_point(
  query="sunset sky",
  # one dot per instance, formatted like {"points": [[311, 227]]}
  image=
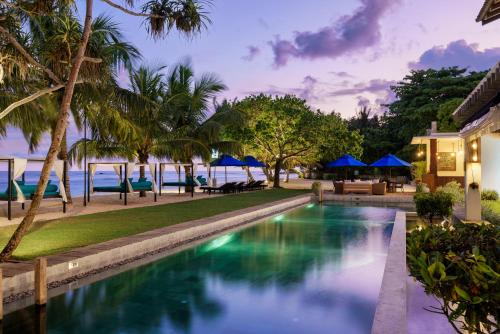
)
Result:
{"points": [[338, 55]]}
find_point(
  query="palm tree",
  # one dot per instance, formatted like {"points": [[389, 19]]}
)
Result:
{"points": [[54, 38], [186, 16]]}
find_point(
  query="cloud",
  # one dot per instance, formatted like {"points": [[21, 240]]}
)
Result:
{"points": [[263, 23], [457, 53], [363, 101], [375, 86], [349, 33], [253, 51], [342, 74], [309, 90]]}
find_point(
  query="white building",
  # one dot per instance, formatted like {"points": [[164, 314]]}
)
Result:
{"points": [[479, 118]]}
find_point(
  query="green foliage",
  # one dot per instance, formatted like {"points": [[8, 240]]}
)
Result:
{"points": [[433, 205], [420, 188], [286, 132], [489, 195], [445, 120], [459, 264], [418, 169], [420, 97], [455, 190], [316, 187]]}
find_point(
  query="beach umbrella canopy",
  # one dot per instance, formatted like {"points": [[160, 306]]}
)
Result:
{"points": [[250, 161], [346, 160], [390, 160], [227, 161]]}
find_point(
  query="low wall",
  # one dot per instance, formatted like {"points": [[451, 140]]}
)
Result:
{"points": [[390, 315], [19, 277]]}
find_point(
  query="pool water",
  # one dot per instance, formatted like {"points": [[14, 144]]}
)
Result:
{"points": [[317, 269]]}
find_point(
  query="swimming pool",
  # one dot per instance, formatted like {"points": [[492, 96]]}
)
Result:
{"points": [[317, 269]]}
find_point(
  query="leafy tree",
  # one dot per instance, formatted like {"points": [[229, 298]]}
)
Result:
{"points": [[419, 97], [186, 16], [376, 141], [445, 120], [285, 131]]}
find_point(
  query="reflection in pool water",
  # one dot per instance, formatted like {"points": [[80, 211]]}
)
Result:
{"points": [[317, 269]]}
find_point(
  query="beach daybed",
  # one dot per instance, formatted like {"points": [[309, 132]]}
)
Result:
{"points": [[19, 191], [126, 184]]}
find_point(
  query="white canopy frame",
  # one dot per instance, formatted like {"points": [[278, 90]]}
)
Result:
{"points": [[17, 168], [124, 171]]}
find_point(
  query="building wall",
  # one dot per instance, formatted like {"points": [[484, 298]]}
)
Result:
{"points": [[490, 161], [452, 146]]}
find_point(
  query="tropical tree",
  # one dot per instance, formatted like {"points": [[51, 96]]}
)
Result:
{"points": [[187, 16], [194, 132], [54, 38], [276, 129]]}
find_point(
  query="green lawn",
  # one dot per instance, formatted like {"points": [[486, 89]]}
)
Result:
{"points": [[68, 233], [494, 205]]}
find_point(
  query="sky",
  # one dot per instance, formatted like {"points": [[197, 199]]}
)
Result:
{"points": [[338, 55]]}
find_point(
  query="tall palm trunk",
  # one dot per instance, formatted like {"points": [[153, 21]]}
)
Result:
{"points": [[143, 159], [249, 174], [63, 155], [188, 174], [61, 125]]}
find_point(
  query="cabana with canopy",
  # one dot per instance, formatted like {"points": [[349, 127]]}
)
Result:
{"points": [[126, 184], [192, 181], [19, 191], [345, 161], [226, 161]]}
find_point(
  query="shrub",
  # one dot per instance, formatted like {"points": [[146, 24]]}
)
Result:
{"points": [[433, 205], [459, 265], [316, 187], [418, 169], [489, 195], [455, 190], [421, 188]]}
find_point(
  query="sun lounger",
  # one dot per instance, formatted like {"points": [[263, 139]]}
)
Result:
{"points": [[225, 188]]}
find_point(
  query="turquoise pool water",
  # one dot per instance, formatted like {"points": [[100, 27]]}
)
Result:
{"points": [[317, 269]]}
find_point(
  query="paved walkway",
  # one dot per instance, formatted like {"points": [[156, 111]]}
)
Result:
{"points": [[52, 208]]}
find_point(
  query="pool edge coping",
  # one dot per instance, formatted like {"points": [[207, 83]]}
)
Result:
{"points": [[390, 314], [99, 257]]}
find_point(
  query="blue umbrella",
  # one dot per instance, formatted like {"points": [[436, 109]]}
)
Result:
{"points": [[226, 161], [250, 161], [390, 160], [346, 160]]}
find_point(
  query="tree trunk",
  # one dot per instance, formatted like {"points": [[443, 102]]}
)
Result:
{"points": [[249, 174], [61, 125], [287, 175], [63, 155], [187, 172], [277, 169], [143, 159]]}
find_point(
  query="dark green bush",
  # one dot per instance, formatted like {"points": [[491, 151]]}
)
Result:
{"points": [[489, 195], [433, 205], [459, 264]]}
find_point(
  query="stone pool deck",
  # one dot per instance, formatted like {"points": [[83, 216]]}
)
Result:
{"points": [[68, 267]]}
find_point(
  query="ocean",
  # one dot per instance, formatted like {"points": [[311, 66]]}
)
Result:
{"points": [[109, 178]]}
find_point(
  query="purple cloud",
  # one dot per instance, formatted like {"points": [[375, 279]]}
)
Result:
{"points": [[342, 74], [374, 86], [253, 51], [457, 53], [349, 33], [307, 91]]}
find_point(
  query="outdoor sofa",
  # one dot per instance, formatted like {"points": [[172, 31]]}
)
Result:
{"points": [[360, 187]]}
